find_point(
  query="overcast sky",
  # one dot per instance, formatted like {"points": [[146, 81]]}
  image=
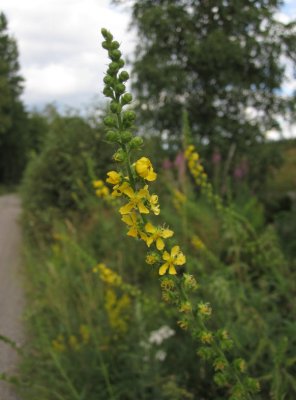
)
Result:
{"points": [[59, 43]]}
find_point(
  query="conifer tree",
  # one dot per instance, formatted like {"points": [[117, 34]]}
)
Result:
{"points": [[13, 118]]}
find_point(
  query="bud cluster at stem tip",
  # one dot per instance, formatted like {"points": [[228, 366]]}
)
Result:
{"points": [[120, 123]]}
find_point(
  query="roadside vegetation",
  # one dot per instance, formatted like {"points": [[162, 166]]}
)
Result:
{"points": [[156, 266]]}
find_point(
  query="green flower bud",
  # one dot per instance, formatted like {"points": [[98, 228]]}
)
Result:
{"points": [[108, 92], [152, 258], [112, 136], [106, 45], [107, 35], [129, 116], [221, 379], [126, 98], [240, 365], [110, 121], [121, 63], [123, 76], [115, 55], [136, 142], [126, 136], [119, 156], [115, 107], [114, 45], [114, 67], [108, 79], [119, 88]]}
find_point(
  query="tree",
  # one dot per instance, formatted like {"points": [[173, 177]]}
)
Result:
{"points": [[13, 118], [223, 60]]}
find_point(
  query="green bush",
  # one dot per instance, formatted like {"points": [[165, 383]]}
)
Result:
{"points": [[60, 176]]}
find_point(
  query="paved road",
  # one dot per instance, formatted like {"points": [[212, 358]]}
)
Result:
{"points": [[11, 296]]}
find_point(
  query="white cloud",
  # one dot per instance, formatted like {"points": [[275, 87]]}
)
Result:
{"points": [[59, 42]]}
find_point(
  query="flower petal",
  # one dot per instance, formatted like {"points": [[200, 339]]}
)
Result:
{"points": [[127, 190], [166, 233], [133, 232], [151, 176], [127, 219], [142, 208], [113, 177], [175, 251], [143, 193], [126, 209], [159, 244], [172, 270], [150, 228], [180, 259], [146, 239], [166, 256], [163, 269]]}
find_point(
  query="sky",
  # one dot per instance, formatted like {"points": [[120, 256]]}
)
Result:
{"points": [[59, 42], [61, 57]]}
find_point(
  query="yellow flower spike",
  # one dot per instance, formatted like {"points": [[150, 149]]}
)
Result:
{"points": [[113, 177], [145, 170], [157, 235], [175, 258], [136, 201]]}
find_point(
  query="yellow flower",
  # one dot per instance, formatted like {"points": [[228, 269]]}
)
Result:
{"points": [[136, 200], [102, 192], [157, 235], [98, 184], [175, 258], [144, 169], [113, 177], [153, 200], [134, 230]]}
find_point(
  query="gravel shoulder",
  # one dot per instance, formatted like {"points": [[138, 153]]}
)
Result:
{"points": [[11, 293]]}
